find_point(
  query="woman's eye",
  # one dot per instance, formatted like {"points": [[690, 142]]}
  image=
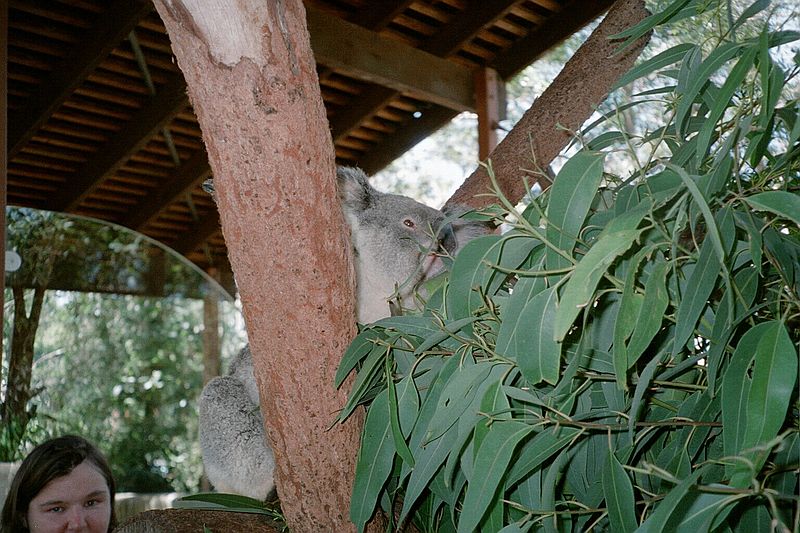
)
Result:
{"points": [[91, 503], [409, 223], [55, 510]]}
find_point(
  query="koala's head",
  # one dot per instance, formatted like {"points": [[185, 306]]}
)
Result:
{"points": [[395, 240]]}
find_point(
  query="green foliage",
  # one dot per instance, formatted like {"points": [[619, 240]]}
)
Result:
{"points": [[625, 358], [234, 503]]}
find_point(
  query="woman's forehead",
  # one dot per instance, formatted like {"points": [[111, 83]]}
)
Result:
{"points": [[84, 481]]}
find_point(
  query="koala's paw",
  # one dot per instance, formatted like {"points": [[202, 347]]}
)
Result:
{"points": [[235, 453]]}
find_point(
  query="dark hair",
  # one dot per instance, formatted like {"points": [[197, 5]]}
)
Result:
{"points": [[50, 460]]}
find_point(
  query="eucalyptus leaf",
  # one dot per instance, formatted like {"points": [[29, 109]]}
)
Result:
{"points": [[531, 342], [570, 198], [619, 496], [490, 467], [781, 203], [374, 463], [615, 239]]}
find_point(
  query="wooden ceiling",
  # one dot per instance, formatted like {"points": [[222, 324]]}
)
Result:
{"points": [[99, 123]]}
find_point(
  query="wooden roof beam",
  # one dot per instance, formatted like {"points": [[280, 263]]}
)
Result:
{"points": [[408, 135], [181, 181], [367, 56], [349, 118], [159, 110], [380, 13], [202, 230], [114, 25], [477, 15], [570, 19]]}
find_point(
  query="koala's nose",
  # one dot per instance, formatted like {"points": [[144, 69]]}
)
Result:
{"points": [[447, 238]]}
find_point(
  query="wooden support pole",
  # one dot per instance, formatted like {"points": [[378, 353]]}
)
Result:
{"points": [[488, 102], [212, 358], [3, 152], [212, 361]]}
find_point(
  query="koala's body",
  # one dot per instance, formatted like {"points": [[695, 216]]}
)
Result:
{"points": [[235, 453], [395, 244]]}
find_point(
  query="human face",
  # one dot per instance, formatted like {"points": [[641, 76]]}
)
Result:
{"points": [[76, 502]]}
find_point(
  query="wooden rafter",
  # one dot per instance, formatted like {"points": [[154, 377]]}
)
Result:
{"points": [[184, 179], [406, 137], [380, 13], [154, 115], [365, 55], [200, 232], [561, 25], [479, 15], [350, 118], [443, 44], [114, 25]]}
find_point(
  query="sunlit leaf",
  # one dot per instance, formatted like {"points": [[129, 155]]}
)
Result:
{"points": [[699, 77], [531, 343], [570, 198], [661, 60], [614, 240], [723, 99]]}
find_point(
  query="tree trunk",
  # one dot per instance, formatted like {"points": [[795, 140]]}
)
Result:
{"points": [[548, 126], [252, 81], [20, 365]]}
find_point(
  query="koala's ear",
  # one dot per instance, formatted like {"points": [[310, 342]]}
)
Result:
{"points": [[355, 192]]}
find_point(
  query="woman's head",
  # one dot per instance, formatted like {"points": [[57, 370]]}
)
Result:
{"points": [[64, 480]]}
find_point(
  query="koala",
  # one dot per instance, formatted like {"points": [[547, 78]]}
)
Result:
{"points": [[232, 440], [397, 244]]}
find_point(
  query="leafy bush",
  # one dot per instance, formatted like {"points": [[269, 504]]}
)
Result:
{"points": [[625, 357]]}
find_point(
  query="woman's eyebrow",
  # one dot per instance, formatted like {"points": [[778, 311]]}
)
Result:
{"points": [[92, 494], [51, 502]]}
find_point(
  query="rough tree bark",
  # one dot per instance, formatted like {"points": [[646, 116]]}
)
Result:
{"points": [[563, 107], [252, 81]]}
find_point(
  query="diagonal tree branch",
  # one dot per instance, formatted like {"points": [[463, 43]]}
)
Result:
{"points": [[564, 106]]}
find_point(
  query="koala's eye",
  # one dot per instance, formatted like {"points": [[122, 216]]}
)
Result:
{"points": [[409, 223]]}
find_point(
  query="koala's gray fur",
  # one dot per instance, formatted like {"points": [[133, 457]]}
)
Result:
{"points": [[235, 454], [395, 243]]}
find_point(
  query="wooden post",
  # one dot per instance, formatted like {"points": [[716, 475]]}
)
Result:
{"points": [[212, 358], [3, 154], [488, 101]]}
